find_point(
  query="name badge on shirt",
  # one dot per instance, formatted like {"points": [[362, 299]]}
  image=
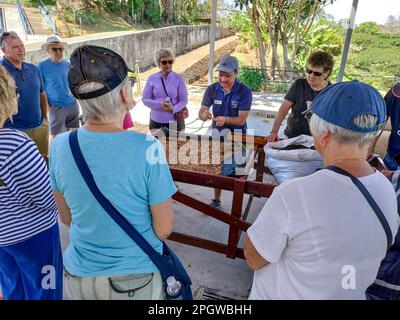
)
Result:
{"points": [[218, 102]]}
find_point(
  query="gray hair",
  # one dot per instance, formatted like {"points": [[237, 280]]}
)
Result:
{"points": [[163, 53], [104, 108], [11, 34], [344, 136]]}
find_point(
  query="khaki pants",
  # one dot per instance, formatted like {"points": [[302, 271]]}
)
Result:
{"points": [[147, 286], [40, 136]]}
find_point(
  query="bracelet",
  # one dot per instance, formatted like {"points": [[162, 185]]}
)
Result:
{"points": [[273, 131]]}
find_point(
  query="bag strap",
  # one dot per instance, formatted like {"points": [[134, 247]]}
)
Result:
{"points": [[165, 89], [110, 209], [370, 200]]}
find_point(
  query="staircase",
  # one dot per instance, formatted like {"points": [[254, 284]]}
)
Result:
{"points": [[12, 20], [36, 21], [2, 21]]}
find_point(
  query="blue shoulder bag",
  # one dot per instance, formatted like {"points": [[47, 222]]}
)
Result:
{"points": [[168, 263]]}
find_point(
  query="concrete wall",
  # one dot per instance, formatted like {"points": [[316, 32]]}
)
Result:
{"points": [[142, 44]]}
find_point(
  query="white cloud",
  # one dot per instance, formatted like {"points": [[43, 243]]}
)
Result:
{"points": [[367, 10]]}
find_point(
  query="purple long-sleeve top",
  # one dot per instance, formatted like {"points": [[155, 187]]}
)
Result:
{"points": [[154, 94]]}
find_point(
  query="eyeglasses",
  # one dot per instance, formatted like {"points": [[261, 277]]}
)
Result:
{"points": [[164, 62], [4, 35], [316, 73], [56, 49], [132, 81]]}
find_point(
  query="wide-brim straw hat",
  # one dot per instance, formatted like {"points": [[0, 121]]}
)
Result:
{"points": [[53, 40]]}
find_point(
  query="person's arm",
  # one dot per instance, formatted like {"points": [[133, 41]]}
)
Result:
{"points": [[205, 114], [43, 104], [268, 236], [182, 96], [43, 97], [206, 103], [63, 209], [160, 188], [254, 260], [245, 102], [163, 219], [35, 188], [283, 111], [148, 97], [240, 120]]}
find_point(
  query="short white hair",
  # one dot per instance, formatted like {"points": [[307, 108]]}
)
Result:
{"points": [[106, 107], [343, 136]]}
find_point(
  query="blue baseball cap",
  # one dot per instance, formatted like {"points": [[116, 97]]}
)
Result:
{"points": [[228, 64], [342, 102]]}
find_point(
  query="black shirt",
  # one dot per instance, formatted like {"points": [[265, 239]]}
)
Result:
{"points": [[299, 93]]}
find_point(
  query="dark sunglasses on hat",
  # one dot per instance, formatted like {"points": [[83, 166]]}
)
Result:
{"points": [[164, 62], [316, 73]]}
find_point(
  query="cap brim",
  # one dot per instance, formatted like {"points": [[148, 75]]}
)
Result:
{"points": [[223, 69]]}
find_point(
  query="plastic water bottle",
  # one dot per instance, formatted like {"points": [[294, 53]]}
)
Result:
{"points": [[174, 288]]}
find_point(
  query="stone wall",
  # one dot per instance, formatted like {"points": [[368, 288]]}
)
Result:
{"points": [[141, 45]]}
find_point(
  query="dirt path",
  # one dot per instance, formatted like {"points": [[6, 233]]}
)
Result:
{"points": [[193, 64]]}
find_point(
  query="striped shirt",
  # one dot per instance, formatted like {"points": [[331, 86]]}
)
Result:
{"points": [[27, 206]]}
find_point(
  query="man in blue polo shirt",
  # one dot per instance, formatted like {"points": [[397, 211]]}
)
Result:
{"points": [[63, 108], [231, 103], [31, 117]]}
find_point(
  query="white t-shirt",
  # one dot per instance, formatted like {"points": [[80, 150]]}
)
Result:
{"points": [[321, 237]]}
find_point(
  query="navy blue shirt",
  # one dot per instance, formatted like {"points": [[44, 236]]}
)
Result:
{"points": [[393, 111], [228, 104], [29, 86]]}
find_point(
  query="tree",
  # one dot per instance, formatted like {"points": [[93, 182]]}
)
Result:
{"points": [[287, 23], [368, 28]]}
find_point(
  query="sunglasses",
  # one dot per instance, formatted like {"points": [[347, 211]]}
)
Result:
{"points": [[164, 62], [56, 49], [316, 73]]}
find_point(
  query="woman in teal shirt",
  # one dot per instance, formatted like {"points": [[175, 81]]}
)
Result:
{"points": [[101, 261]]}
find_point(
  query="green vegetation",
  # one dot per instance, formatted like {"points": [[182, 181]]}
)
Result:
{"points": [[253, 78], [374, 55]]}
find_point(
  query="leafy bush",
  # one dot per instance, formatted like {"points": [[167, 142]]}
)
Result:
{"points": [[251, 77], [367, 28]]}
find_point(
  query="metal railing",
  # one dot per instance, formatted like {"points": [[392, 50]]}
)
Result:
{"points": [[49, 19], [24, 19], [282, 79], [2, 21]]}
